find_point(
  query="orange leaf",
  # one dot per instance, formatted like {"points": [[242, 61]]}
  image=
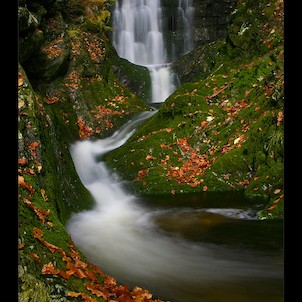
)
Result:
{"points": [[20, 82], [80, 264], [203, 123], [49, 269], [37, 233], [95, 290], [40, 212], [25, 185], [77, 271], [22, 161], [64, 275], [90, 274], [272, 207], [36, 257], [73, 294]]}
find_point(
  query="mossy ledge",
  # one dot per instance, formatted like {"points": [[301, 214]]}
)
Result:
{"points": [[222, 129]]}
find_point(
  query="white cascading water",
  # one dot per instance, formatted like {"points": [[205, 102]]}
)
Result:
{"points": [[186, 12], [138, 37], [121, 237]]}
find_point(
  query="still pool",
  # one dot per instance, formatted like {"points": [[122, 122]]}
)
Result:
{"points": [[226, 223]]}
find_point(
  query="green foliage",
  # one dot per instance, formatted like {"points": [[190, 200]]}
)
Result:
{"points": [[99, 22], [95, 14]]}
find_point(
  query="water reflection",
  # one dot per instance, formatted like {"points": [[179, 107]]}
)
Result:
{"points": [[204, 218]]}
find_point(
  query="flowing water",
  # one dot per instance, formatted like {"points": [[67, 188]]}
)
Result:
{"points": [[138, 37], [183, 248], [185, 15], [186, 249]]}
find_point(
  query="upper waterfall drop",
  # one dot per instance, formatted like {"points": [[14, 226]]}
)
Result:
{"points": [[137, 34], [138, 37]]}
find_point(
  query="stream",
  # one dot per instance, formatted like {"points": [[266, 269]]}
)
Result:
{"points": [[182, 248], [187, 248]]}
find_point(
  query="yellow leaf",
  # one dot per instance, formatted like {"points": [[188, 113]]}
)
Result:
{"points": [[20, 104], [20, 82]]}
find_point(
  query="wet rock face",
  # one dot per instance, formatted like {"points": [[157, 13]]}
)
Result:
{"points": [[40, 26], [211, 19], [207, 22]]}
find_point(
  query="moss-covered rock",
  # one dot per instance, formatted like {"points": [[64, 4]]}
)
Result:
{"points": [[254, 29], [222, 132], [57, 107]]}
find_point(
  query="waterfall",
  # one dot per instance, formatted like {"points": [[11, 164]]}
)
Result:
{"points": [[120, 233], [185, 15], [138, 37]]}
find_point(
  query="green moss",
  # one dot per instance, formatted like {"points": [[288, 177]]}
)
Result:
{"points": [[232, 164], [32, 289], [254, 91]]}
